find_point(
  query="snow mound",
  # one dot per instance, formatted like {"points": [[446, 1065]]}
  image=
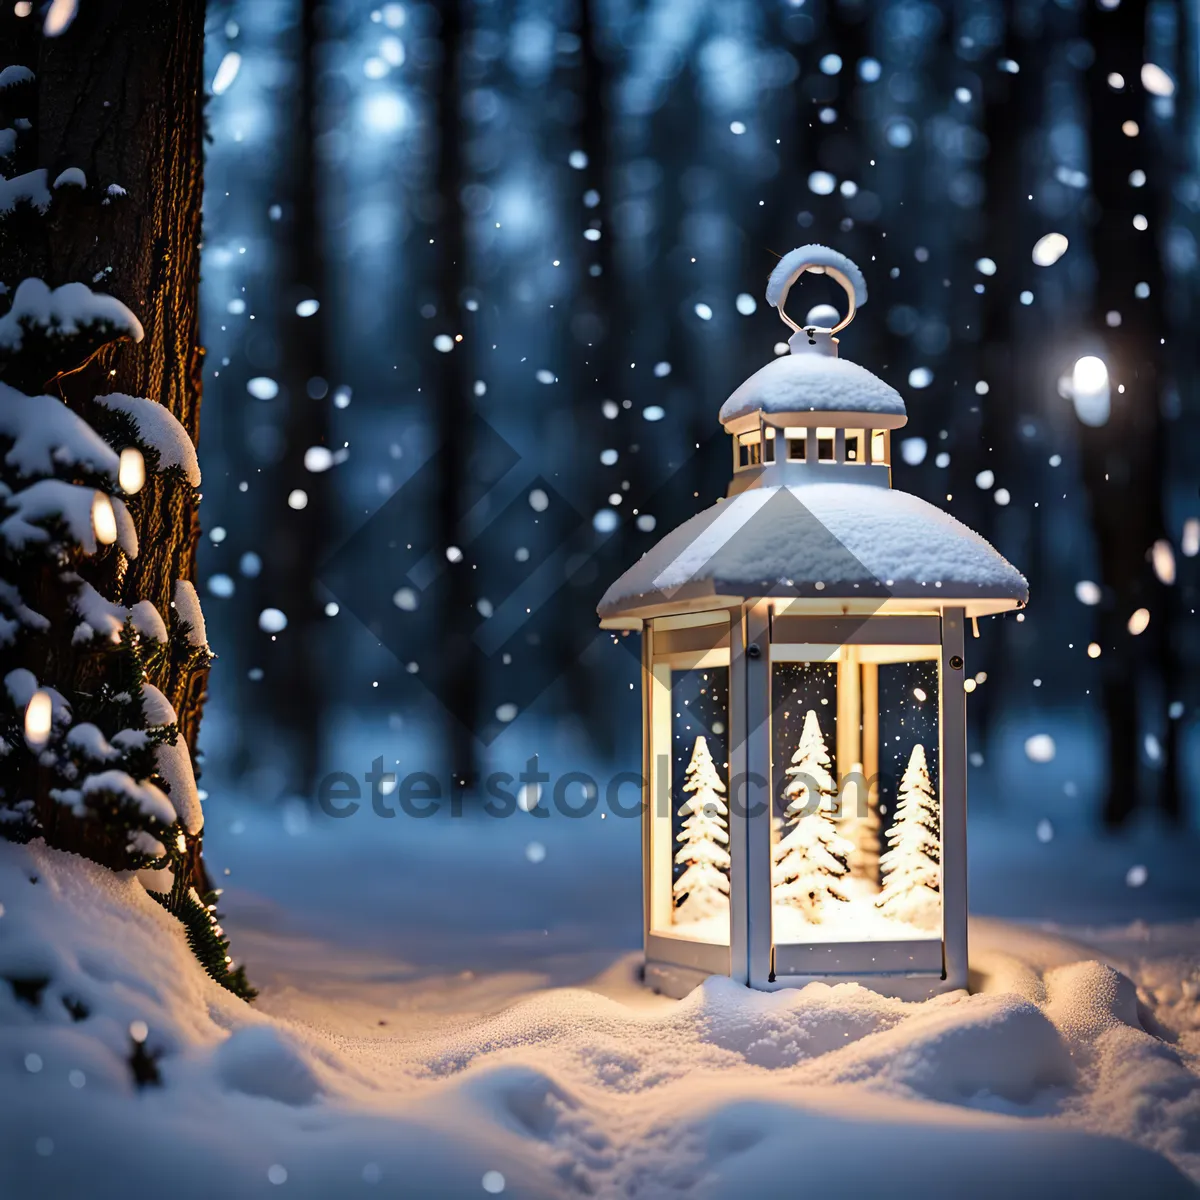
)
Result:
{"points": [[261, 1060], [728, 1093], [961, 1052], [848, 1146]]}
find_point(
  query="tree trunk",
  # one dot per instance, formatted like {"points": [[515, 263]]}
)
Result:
{"points": [[299, 538], [597, 381], [119, 95], [453, 405], [1120, 458], [1013, 105]]}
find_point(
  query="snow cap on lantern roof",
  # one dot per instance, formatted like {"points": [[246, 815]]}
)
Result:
{"points": [[812, 378], [844, 546], [800, 383]]}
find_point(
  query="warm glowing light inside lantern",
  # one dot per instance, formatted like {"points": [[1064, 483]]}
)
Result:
{"points": [[104, 519], [38, 715], [132, 471]]}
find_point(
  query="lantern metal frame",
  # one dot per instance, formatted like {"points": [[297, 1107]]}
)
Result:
{"points": [[749, 639]]}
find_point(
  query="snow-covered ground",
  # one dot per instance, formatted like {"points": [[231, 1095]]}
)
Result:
{"points": [[447, 1011]]}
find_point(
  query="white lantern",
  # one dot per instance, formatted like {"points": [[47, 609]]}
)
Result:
{"points": [[804, 761]]}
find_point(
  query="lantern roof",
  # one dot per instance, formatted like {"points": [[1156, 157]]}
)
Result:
{"points": [[829, 536], [802, 382], [835, 546]]}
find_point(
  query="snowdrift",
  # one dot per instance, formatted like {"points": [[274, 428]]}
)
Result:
{"points": [[1044, 1083]]}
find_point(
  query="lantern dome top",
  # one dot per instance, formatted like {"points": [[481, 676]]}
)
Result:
{"points": [[817, 383], [811, 516], [837, 546], [812, 378]]}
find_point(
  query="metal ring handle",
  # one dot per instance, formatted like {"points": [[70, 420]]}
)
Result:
{"points": [[817, 269]]}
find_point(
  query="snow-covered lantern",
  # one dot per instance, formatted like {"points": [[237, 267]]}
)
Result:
{"points": [[805, 762]]}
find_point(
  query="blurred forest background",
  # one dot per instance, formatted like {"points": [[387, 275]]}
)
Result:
{"points": [[478, 276]]}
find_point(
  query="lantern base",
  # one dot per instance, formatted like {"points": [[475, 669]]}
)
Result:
{"points": [[673, 981], [676, 982]]}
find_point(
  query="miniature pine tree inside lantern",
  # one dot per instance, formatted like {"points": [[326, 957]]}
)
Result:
{"points": [[701, 893], [811, 857], [911, 871]]}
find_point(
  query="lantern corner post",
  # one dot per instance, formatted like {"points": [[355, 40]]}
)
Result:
{"points": [[954, 797], [647, 780], [657, 849], [739, 859], [755, 795]]}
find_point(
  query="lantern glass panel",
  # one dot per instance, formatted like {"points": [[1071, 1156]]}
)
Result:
{"points": [[856, 840], [689, 834]]}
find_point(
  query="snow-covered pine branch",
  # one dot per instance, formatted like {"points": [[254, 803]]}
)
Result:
{"points": [[157, 431], [71, 321]]}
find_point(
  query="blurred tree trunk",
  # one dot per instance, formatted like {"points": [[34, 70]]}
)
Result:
{"points": [[1013, 107], [452, 404], [1173, 160], [298, 539], [604, 316], [1121, 459], [120, 95]]}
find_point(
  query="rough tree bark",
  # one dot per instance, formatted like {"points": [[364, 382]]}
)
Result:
{"points": [[120, 96]]}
